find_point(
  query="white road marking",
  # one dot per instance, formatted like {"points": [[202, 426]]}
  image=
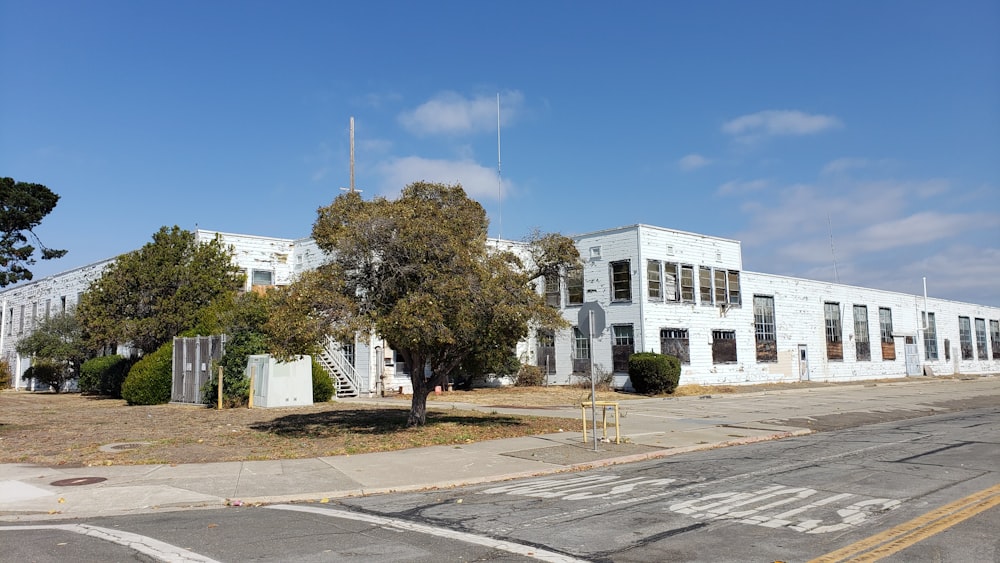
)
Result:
{"points": [[161, 551], [511, 547]]}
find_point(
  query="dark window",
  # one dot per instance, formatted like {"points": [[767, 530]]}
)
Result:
{"points": [[981, 349], [965, 337], [862, 345], [687, 284], [653, 280], [723, 347], [670, 286], [622, 347], [581, 352], [765, 331], [547, 351], [947, 350], [552, 290], [930, 337], [574, 286], [621, 281], [348, 349], [885, 328], [995, 335], [834, 334], [705, 285], [674, 342]]}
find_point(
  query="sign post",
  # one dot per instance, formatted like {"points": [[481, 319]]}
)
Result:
{"points": [[591, 316]]}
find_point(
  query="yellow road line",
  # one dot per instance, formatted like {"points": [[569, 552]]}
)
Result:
{"points": [[920, 528]]}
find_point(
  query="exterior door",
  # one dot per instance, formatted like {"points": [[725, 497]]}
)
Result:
{"points": [[803, 362], [912, 358]]}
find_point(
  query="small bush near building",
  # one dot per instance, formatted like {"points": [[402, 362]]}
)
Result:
{"points": [[104, 375], [653, 374], [6, 377], [323, 388], [529, 376], [149, 380], [48, 372]]}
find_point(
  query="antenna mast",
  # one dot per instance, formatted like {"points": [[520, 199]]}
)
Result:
{"points": [[499, 178], [352, 154], [833, 251]]}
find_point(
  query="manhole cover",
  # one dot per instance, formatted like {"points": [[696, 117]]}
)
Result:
{"points": [[77, 481], [122, 446]]}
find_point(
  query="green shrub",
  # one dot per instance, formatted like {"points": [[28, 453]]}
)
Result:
{"points": [[104, 375], [149, 380], [529, 376], [323, 387], [235, 383], [653, 374], [48, 372]]}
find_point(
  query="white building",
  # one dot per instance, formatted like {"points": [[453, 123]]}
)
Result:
{"points": [[660, 290]]}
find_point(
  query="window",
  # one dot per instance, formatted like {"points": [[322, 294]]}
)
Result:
{"points": [[721, 292], [552, 290], [62, 304], [263, 277], [965, 337], [547, 351], [995, 336], [687, 284], [48, 308], [622, 347], [834, 335], [734, 288], [981, 339], [674, 342], [621, 281], [930, 337], [723, 347], [574, 286], [20, 326], [765, 331], [581, 352], [348, 349], [947, 350], [595, 252], [670, 281], [862, 346], [653, 282], [705, 285], [885, 328]]}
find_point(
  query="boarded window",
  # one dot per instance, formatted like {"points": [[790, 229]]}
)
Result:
{"points": [[547, 351], [765, 331], [734, 289], [622, 347], [574, 286], [723, 347], [670, 286], [581, 352], [674, 342], [621, 281], [552, 290], [995, 338], [885, 328], [981, 351], [687, 284], [705, 285], [862, 345], [965, 337], [834, 333], [930, 336], [654, 285]]}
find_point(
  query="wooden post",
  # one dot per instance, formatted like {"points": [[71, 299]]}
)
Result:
{"points": [[220, 388], [250, 403]]}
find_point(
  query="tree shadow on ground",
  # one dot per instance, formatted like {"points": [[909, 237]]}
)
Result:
{"points": [[371, 422]]}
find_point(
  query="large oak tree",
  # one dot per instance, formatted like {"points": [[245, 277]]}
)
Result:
{"points": [[148, 296], [22, 207], [418, 272]]}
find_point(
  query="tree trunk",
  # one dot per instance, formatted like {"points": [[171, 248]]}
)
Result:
{"points": [[418, 405]]}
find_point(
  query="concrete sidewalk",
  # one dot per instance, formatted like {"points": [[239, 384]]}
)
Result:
{"points": [[650, 428]]}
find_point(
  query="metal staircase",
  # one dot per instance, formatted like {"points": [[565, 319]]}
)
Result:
{"points": [[333, 360]]}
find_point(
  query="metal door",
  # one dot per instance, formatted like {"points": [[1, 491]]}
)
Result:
{"points": [[912, 358], [803, 362]]}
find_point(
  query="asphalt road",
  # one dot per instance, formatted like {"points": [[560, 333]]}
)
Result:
{"points": [[920, 489]]}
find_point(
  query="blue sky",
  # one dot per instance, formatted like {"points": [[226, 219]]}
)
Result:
{"points": [[775, 123]]}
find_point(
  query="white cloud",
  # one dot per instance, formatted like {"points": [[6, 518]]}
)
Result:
{"points": [[452, 113], [741, 188], [693, 162], [479, 182], [772, 123], [842, 165]]}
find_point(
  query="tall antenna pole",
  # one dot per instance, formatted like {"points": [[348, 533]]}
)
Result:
{"points": [[833, 251], [352, 154], [499, 178]]}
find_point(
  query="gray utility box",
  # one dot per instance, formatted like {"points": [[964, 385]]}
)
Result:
{"points": [[280, 384]]}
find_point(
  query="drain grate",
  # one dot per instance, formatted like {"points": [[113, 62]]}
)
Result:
{"points": [[122, 446], [77, 481]]}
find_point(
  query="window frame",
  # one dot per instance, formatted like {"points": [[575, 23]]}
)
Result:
{"points": [[552, 289], [621, 281], [688, 291], [619, 343], [834, 329], [574, 283], [930, 336], [765, 329], [680, 335], [705, 286], [654, 280], [724, 343], [862, 338], [982, 352]]}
